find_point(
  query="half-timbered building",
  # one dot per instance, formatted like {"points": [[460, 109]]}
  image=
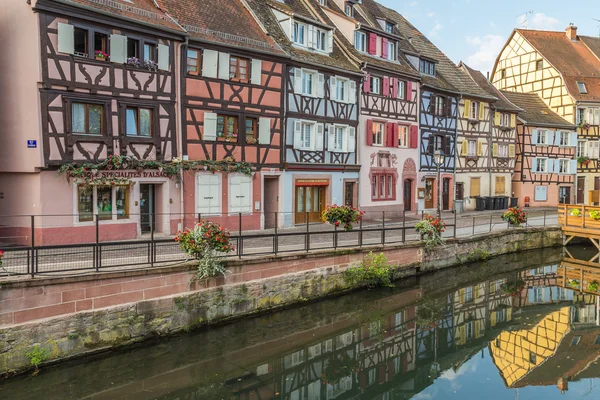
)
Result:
{"points": [[486, 154], [97, 81], [563, 69], [545, 166], [389, 121], [320, 157], [232, 99]]}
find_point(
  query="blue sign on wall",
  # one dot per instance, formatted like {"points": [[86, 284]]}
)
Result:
{"points": [[32, 144]]}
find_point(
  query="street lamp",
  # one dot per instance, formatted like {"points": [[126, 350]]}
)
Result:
{"points": [[438, 160]]}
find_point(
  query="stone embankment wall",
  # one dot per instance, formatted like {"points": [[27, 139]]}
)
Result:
{"points": [[74, 316]]}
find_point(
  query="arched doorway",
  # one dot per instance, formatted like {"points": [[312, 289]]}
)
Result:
{"points": [[409, 178], [408, 195]]}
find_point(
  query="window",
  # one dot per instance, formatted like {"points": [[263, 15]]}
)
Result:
{"points": [[100, 42], [104, 202], [391, 54], [581, 148], [542, 138], [87, 118], [133, 48], [321, 40], [593, 116], [378, 133], [240, 193], [208, 193], [80, 42], [399, 319], [193, 62], [563, 166], [102, 197], [238, 68], [383, 160], [469, 294], [542, 165], [580, 115], [360, 41], [503, 150], [503, 73], [323, 2], [563, 138], [475, 187], [389, 27], [402, 90], [307, 136], [227, 127], [339, 138], [341, 89], [149, 52], [474, 111], [383, 186], [375, 85], [532, 357], [427, 67], [505, 120], [138, 121], [581, 87], [402, 136], [539, 65], [308, 82], [440, 105], [122, 201], [349, 10], [251, 130], [298, 33], [85, 203], [471, 148]]}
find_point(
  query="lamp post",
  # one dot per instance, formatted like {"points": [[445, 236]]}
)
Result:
{"points": [[438, 160]]}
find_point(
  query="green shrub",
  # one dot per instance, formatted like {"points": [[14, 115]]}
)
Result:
{"points": [[373, 271], [37, 355]]}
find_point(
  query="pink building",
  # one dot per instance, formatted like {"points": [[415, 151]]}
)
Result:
{"points": [[546, 143]]}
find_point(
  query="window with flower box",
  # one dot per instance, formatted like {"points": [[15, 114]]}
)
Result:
{"points": [[238, 68], [193, 62], [227, 127]]}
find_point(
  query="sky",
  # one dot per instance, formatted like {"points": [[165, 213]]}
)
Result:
{"points": [[474, 31]]}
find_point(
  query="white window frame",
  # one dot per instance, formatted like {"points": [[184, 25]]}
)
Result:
{"points": [[474, 110], [402, 93], [296, 27], [468, 294], [313, 82], [581, 115], [471, 148], [389, 27], [360, 41], [542, 134], [502, 150], [582, 88], [561, 162], [562, 136], [541, 170], [592, 149], [593, 116], [312, 138], [230, 196], [321, 40], [345, 83], [197, 193], [391, 51], [349, 10], [581, 148], [381, 136], [341, 132], [403, 136], [375, 79]]}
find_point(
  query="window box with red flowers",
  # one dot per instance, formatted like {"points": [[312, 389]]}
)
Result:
{"points": [[345, 216], [515, 216]]}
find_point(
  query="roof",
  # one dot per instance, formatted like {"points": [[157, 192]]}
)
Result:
{"points": [[226, 22], [140, 11], [502, 104], [448, 75], [592, 43], [262, 10], [573, 59], [535, 111], [401, 66]]}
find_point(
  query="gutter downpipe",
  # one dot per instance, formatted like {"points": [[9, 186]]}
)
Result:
{"points": [[490, 146]]}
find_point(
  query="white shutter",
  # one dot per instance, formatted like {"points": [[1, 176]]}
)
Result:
{"points": [[66, 38], [286, 25], [224, 66], [264, 130], [118, 49], [240, 193], [210, 60], [330, 137], [320, 85], [312, 32], [351, 146], [256, 72], [208, 194], [352, 92], [345, 140], [163, 57], [210, 127], [573, 141], [318, 143], [297, 80], [297, 134], [329, 41], [333, 89]]}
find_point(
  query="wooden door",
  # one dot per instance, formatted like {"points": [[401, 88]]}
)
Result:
{"points": [[147, 208], [408, 194], [564, 195], [580, 190], [349, 194], [446, 193], [429, 187], [310, 202], [460, 191], [271, 201], [596, 185]]}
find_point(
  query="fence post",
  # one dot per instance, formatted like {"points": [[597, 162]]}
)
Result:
{"points": [[97, 255], [241, 241], [307, 234], [473, 225], [404, 226], [151, 250], [199, 217], [545, 218], [360, 234], [455, 224], [33, 252], [335, 236], [275, 237], [383, 227], [490, 222]]}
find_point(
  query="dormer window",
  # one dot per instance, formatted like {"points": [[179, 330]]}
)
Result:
{"points": [[389, 27], [349, 10], [323, 2], [581, 87], [321, 42], [391, 53], [427, 67], [298, 35], [360, 41], [311, 36]]}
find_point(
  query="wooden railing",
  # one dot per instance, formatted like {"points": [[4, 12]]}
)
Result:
{"points": [[579, 217]]}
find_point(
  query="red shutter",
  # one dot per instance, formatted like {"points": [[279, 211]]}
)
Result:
{"points": [[395, 87], [414, 136], [408, 94], [372, 43], [388, 134], [369, 133], [386, 86], [384, 48], [367, 84], [394, 135]]}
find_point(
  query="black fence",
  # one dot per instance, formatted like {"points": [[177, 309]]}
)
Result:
{"points": [[94, 252]]}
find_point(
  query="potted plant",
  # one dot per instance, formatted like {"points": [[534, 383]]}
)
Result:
{"points": [[342, 215], [576, 212], [338, 367], [574, 283], [1, 255], [101, 56], [151, 65], [593, 286], [583, 160], [251, 140], [595, 215], [584, 125], [515, 216], [431, 228], [513, 288], [134, 61]]}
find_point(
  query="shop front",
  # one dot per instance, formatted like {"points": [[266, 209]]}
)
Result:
{"points": [[310, 199]]}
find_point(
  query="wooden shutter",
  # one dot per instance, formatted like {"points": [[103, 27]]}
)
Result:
{"points": [[461, 296], [210, 127], [163, 57], [319, 137], [367, 84], [534, 162], [351, 146], [118, 49], [311, 33], [256, 77], [369, 132], [511, 150], [414, 137], [264, 130], [493, 318], [297, 134], [550, 137], [500, 185], [333, 89], [475, 187], [447, 145], [479, 147], [387, 141], [384, 48], [240, 193], [448, 106], [66, 38], [330, 137], [394, 87], [467, 109], [297, 80], [372, 44], [394, 130], [481, 110], [432, 104], [497, 118], [329, 41], [408, 96], [386, 86], [208, 194], [352, 92], [494, 149], [513, 120], [224, 66], [320, 85], [464, 148], [210, 61]]}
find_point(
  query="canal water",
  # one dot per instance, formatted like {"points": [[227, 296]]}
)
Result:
{"points": [[524, 326]]}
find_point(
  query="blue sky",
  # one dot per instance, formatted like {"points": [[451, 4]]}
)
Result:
{"points": [[474, 31]]}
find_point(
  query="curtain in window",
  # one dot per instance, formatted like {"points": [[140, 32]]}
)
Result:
{"points": [[78, 118], [145, 123], [95, 119], [131, 122]]}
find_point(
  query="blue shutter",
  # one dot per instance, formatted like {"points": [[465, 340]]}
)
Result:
{"points": [[534, 136], [550, 138], [573, 167], [534, 165], [573, 139], [555, 166]]}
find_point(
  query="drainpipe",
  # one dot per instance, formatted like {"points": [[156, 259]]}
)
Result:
{"points": [[456, 158], [178, 114], [490, 145]]}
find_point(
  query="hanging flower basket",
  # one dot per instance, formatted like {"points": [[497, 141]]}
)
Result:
{"points": [[431, 228], [515, 216], [338, 367], [345, 216], [513, 288]]}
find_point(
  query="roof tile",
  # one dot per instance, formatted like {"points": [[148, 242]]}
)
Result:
{"points": [[535, 111]]}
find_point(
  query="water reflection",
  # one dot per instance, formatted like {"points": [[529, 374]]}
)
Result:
{"points": [[534, 330]]}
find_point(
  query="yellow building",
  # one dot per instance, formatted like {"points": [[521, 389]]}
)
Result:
{"points": [[564, 70]]}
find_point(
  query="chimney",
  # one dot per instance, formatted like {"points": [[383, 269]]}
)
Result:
{"points": [[563, 384], [572, 32]]}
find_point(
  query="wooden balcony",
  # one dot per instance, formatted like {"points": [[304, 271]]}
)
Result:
{"points": [[577, 221], [579, 275]]}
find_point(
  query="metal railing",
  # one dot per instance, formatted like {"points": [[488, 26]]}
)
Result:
{"points": [[41, 247]]}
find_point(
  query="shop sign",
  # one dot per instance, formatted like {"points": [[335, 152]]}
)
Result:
{"points": [[312, 182], [128, 174]]}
